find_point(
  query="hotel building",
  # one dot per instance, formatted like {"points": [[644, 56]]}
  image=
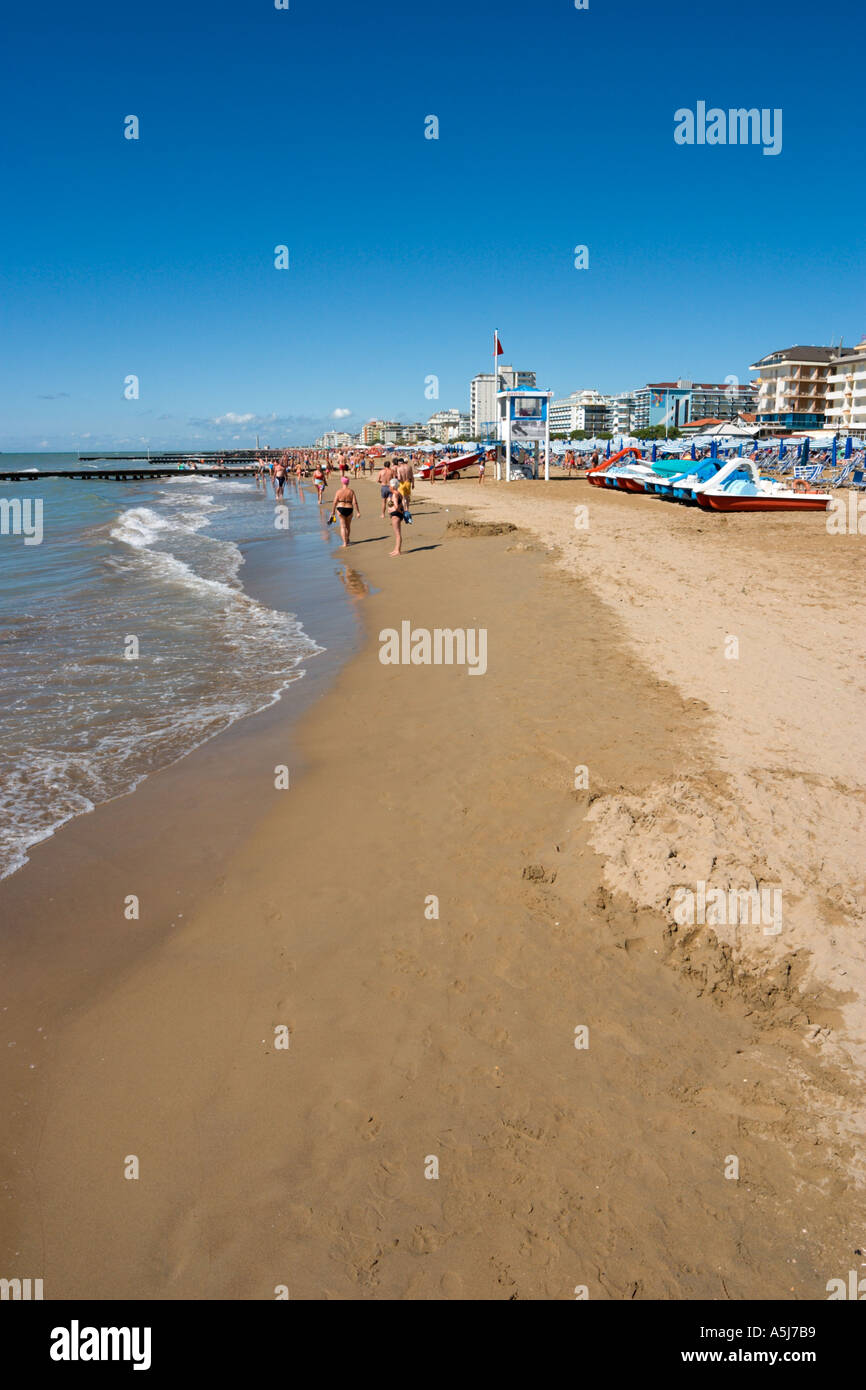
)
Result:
{"points": [[620, 415], [446, 425], [334, 439], [792, 386], [380, 432], [582, 410], [845, 400], [676, 403]]}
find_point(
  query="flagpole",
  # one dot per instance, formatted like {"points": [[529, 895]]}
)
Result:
{"points": [[495, 373], [495, 401]]}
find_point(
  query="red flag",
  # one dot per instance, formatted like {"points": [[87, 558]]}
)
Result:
{"points": [[498, 346]]}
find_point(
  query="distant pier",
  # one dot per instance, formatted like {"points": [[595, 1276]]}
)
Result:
{"points": [[238, 464]]}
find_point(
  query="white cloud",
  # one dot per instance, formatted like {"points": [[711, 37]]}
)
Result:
{"points": [[340, 413], [232, 418]]}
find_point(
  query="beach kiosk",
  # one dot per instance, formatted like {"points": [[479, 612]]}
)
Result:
{"points": [[523, 422]]}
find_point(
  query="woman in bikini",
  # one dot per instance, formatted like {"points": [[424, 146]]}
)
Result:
{"points": [[395, 511], [319, 480], [345, 507]]}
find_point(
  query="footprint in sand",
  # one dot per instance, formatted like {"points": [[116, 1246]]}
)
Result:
{"points": [[426, 1240]]}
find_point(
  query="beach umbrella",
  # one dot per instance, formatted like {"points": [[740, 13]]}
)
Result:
{"points": [[654, 452], [714, 449], [782, 449], [607, 450], [834, 449], [694, 454], [806, 449], [849, 444], [740, 452]]}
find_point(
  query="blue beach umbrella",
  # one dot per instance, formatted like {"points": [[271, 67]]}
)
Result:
{"points": [[607, 450], [654, 453], [782, 449], [620, 442], [849, 447], [806, 449], [694, 455], [740, 452], [714, 449], [834, 450]]}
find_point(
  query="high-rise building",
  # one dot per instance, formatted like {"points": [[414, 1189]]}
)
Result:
{"points": [[482, 397], [846, 391], [676, 403], [792, 386]]}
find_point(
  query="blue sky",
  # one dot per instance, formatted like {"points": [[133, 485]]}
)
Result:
{"points": [[305, 127]]}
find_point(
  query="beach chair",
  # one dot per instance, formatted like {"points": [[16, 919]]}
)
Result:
{"points": [[842, 476], [857, 480]]}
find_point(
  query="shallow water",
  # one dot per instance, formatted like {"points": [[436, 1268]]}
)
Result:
{"points": [[160, 562]]}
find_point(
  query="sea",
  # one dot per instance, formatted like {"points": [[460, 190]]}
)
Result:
{"points": [[127, 635]]}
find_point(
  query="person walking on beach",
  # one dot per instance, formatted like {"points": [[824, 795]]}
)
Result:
{"points": [[279, 478], [396, 513], [384, 481], [406, 475], [320, 481], [345, 507], [481, 470]]}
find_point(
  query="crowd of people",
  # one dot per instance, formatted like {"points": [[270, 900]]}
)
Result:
{"points": [[396, 479]]}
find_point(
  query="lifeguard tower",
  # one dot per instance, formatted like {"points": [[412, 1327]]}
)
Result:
{"points": [[523, 421]]}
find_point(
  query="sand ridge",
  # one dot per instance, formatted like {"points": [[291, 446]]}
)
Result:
{"points": [[784, 721]]}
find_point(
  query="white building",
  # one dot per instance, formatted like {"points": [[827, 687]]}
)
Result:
{"points": [[582, 410], [845, 401], [335, 439], [792, 386], [620, 413], [482, 397], [446, 425]]}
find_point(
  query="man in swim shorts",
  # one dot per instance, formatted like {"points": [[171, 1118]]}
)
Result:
{"points": [[384, 480]]}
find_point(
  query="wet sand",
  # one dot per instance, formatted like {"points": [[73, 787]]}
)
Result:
{"points": [[420, 1041]]}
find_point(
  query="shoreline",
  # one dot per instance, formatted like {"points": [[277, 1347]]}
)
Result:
{"points": [[412, 1036]]}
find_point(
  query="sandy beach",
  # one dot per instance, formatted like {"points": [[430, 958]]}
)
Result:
{"points": [[509, 1073]]}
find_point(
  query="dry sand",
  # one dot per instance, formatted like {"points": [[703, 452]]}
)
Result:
{"points": [[414, 1037]]}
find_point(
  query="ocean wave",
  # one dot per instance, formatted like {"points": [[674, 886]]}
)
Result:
{"points": [[211, 654]]}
